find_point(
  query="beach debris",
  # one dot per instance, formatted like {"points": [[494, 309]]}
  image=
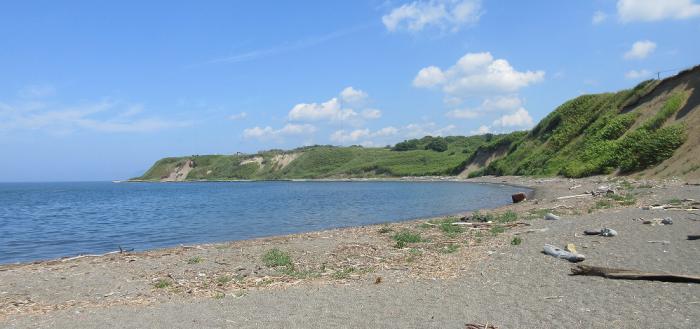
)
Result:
{"points": [[603, 190], [479, 326], [659, 241], [574, 187], [608, 232], [625, 274], [693, 237], [570, 247], [378, 280], [658, 221], [602, 232], [563, 254], [534, 230], [551, 216], [518, 197], [574, 196]]}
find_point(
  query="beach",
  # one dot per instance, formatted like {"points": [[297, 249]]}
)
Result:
{"points": [[452, 275]]}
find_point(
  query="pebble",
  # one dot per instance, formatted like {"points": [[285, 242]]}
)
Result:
{"points": [[667, 221], [608, 232], [551, 216]]}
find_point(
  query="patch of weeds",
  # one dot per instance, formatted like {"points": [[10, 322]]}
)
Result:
{"points": [[507, 217], [344, 273], [448, 249], [674, 201], [425, 226], [306, 274], [450, 230], [264, 282], [646, 186], [479, 217], [195, 260], [516, 241], [219, 295], [224, 279], [626, 185], [385, 230], [403, 238], [625, 200], [478, 234], [602, 204], [275, 257], [163, 283], [496, 230], [415, 251]]}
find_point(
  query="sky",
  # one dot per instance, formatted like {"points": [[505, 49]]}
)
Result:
{"points": [[99, 90]]}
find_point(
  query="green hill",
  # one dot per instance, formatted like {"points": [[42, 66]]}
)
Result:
{"points": [[649, 130]]}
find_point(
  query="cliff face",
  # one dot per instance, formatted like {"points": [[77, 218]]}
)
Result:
{"points": [[648, 131]]}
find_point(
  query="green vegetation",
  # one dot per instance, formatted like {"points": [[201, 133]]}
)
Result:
{"points": [[224, 279], [344, 273], [516, 241], [507, 217], [275, 258], [384, 230], [450, 230], [448, 249], [163, 283], [588, 135], [403, 238], [497, 229], [195, 260], [674, 201]]}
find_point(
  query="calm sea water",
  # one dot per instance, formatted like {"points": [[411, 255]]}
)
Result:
{"points": [[49, 220]]}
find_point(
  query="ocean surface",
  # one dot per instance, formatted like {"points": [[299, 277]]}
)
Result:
{"points": [[50, 220]]}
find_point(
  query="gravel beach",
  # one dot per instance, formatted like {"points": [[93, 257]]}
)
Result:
{"points": [[363, 278]]}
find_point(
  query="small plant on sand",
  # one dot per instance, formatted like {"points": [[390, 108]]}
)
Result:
{"points": [[195, 260], [219, 295], [674, 201], [498, 229], [603, 204], [344, 273], [625, 200], [275, 257], [507, 217], [448, 249], [450, 230], [224, 279], [162, 283], [403, 238], [384, 230], [516, 241], [482, 217]]}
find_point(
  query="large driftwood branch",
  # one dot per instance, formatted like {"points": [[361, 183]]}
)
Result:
{"points": [[617, 273]]}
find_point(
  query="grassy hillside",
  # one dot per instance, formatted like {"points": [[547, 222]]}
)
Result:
{"points": [[648, 130]]}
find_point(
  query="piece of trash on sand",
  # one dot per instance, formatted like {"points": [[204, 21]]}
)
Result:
{"points": [[659, 241], [667, 221], [563, 254], [479, 326], [570, 247], [551, 216], [693, 237], [518, 197], [608, 232], [602, 232]]}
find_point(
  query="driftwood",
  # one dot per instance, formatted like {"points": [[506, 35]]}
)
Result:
{"points": [[574, 196], [616, 273], [479, 326]]}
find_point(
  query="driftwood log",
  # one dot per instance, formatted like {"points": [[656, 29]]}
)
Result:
{"points": [[617, 273]]}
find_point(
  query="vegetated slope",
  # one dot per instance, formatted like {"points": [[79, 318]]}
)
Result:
{"points": [[650, 131], [428, 156]]}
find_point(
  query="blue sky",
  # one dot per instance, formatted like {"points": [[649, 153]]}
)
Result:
{"points": [[98, 90]]}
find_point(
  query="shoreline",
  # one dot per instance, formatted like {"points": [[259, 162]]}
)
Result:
{"points": [[334, 270], [529, 191]]}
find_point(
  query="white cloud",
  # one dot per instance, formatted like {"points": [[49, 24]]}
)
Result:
{"points": [[415, 130], [371, 114], [335, 109], [477, 74], [634, 74], [520, 118], [265, 133], [483, 129], [598, 17], [443, 14], [238, 116], [462, 114], [502, 103], [352, 95], [640, 50], [343, 136], [656, 10], [101, 116]]}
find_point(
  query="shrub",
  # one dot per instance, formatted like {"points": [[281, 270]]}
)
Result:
{"points": [[275, 257], [437, 144]]}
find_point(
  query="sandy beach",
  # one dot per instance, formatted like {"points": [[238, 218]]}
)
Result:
{"points": [[455, 274]]}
